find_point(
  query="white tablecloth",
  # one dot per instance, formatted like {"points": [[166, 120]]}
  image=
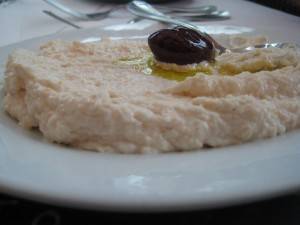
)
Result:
{"points": [[23, 19]]}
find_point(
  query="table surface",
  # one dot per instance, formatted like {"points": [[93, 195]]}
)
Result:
{"points": [[279, 211], [23, 19]]}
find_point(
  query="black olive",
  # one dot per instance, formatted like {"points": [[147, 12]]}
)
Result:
{"points": [[181, 45]]}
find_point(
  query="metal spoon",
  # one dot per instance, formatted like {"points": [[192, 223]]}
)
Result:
{"points": [[143, 9]]}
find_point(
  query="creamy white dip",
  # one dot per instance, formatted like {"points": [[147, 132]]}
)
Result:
{"points": [[81, 95]]}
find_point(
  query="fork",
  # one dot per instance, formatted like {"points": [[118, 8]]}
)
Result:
{"points": [[79, 15], [195, 9], [53, 15]]}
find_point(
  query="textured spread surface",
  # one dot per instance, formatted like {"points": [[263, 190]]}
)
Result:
{"points": [[79, 94]]}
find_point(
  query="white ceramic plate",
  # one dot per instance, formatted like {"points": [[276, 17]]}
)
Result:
{"points": [[35, 169]]}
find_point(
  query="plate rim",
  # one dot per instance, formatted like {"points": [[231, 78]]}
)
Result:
{"points": [[10, 188]]}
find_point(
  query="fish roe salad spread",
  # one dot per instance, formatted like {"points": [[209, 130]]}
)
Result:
{"points": [[177, 92]]}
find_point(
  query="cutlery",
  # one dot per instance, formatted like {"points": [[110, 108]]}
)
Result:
{"points": [[49, 13], [197, 11], [145, 10], [217, 14], [220, 15], [79, 15]]}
